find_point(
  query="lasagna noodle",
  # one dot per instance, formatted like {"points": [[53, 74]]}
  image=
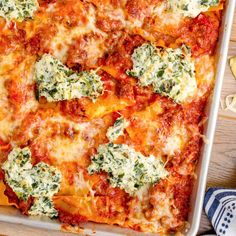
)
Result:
{"points": [[4, 201], [97, 209]]}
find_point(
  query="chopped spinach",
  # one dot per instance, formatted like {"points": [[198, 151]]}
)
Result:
{"points": [[56, 82], [117, 129], [41, 180], [126, 168], [18, 9], [43, 206], [169, 71], [190, 8]]}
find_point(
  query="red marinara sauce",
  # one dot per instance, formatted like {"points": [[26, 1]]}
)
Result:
{"points": [[201, 34]]}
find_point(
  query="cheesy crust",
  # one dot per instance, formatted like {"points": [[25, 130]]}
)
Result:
{"points": [[109, 95]]}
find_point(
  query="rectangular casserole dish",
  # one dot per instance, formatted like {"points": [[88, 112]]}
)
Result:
{"points": [[11, 215]]}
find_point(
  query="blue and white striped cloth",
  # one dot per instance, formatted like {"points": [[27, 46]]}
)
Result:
{"points": [[220, 207]]}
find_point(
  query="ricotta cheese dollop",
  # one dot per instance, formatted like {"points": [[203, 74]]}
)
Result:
{"points": [[190, 8], [56, 82], [18, 9], [126, 168], [117, 129], [41, 181], [170, 72]]}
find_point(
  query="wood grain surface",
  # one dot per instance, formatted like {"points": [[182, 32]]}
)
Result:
{"points": [[222, 170]]}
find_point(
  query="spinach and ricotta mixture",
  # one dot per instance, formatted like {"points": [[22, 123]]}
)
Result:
{"points": [[43, 206], [41, 181], [170, 72], [126, 168], [56, 82], [191, 8], [117, 129], [18, 9]]}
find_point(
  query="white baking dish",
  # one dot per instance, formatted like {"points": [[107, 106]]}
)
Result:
{"points": [[8, 214]]}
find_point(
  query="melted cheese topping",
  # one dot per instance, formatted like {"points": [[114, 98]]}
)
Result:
{"points": [[65, 37], [10, 72], [83, 186], [176, 140], [5, 117], [101, 36], [65, 149]]}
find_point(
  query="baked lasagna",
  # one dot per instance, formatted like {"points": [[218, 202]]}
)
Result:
{"points": [[102, 108]]}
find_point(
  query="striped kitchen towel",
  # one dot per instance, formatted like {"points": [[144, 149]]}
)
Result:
{"points": [[220, 207]]}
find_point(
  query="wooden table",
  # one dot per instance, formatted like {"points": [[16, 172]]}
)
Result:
{"points": [[222, 171]]}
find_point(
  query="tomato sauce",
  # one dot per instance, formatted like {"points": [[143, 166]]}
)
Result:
{"points": [[201, 34], [66, 217], [182, 191], [16, 93]]}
